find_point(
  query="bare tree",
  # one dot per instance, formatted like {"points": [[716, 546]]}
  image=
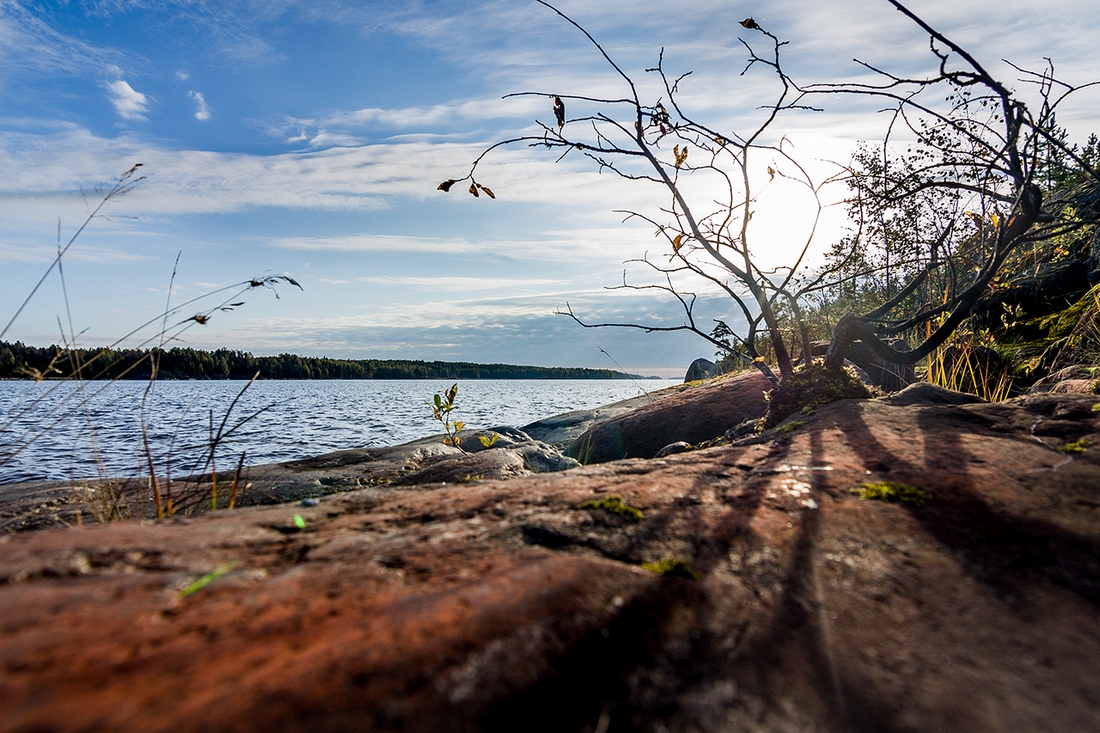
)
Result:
{"points": [[973, 149], [976, 150]]}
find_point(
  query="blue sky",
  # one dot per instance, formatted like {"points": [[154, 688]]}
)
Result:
{"points": [[307, 138]]}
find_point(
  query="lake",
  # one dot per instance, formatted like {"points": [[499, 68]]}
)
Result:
{"points": [[57, 430]]}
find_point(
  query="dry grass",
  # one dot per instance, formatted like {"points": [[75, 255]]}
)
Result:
{"points": [[106, 498]]}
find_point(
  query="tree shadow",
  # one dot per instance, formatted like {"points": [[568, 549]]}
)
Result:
{"points": [[1002, 550]]}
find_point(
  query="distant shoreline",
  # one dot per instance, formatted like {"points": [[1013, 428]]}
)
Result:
{"points": [[52, 363]]}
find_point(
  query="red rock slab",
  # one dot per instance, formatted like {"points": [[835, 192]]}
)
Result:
{"points": [[502, 605], [693, 415]]}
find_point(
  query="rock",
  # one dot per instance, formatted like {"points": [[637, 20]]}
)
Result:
{"points": [[1077, 379], [673, 448], [502, 605], [505, 437], [707, 369], [51, 503], [561, 430], [693, 415], [701, 369], [923, 393]]}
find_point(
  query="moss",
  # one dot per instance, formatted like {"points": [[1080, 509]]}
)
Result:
{"points": [[614, 505], [891, 491], [1064, 322], [1077, 446], [809, 388], [672, 567], [790, 427]]}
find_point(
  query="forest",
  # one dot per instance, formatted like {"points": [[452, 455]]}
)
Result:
{"points": [[19, 361]]}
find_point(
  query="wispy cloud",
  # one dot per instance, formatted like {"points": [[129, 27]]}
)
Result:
{"points": [[37, 254], [202, 109], [129, 103], [27, 42]]}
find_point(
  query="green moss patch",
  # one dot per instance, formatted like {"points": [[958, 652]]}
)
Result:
{"points": [[672, 567], [1077, 446], [790, 427], [614, 505], [892, 491]]}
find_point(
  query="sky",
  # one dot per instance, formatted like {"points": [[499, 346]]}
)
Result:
{"points": [[307, 138]]}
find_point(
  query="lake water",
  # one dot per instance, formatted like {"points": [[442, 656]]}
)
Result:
{"points": [[56, 430]]}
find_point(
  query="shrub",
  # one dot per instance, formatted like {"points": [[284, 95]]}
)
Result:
{"points": [[809, 388]]}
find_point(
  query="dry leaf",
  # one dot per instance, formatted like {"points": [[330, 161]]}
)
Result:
{"points": [[446, 185], [559, 111], [681, 155], [473, 190]]}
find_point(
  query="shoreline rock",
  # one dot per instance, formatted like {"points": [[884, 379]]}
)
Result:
{"points": [[535, 448], [755, 591]]}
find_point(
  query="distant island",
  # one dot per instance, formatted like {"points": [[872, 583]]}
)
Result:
{"points": [[18, 361]]}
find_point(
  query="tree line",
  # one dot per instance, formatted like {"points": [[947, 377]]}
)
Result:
{"points": [[19, 361]]}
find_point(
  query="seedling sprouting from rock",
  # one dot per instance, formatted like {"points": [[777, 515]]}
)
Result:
{"points": [[442, 406]]}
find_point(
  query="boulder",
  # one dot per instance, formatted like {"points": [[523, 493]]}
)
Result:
{"points": [[673, 448], [701, 369], [1078, 379], [691, 415], [561, 430]]}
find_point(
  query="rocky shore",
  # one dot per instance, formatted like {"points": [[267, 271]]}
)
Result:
{"points": [[740, 587]]}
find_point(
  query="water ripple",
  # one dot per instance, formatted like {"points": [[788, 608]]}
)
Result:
{"points": [[65, 430]]}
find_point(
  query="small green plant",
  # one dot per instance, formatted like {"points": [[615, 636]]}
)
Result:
{"points": [[672, 567], [487, 441], [613, 505], [207, 579], [790, 427], [1077, 446], [892, 491], [442, 406]]}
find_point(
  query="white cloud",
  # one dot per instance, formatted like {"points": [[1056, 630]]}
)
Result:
{"points": [[202, 111], [375, 243], [129, 103], [183, 75]]}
